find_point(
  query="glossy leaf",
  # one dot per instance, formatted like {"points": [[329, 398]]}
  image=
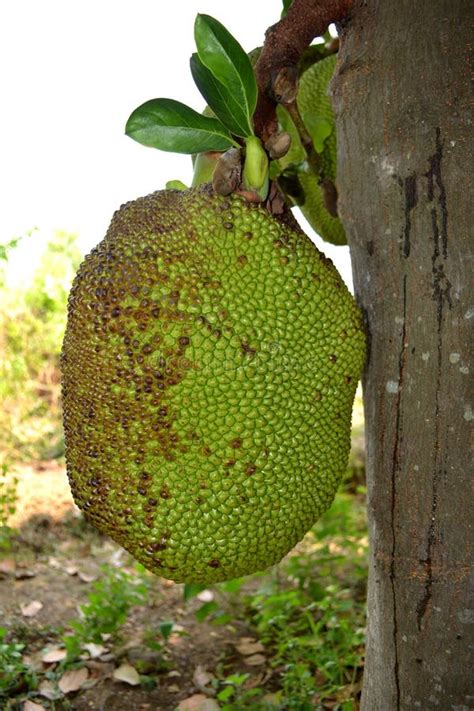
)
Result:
{"points": [[227, 61], [205, 610], [190, 590], [172, 126], [223, 102]]}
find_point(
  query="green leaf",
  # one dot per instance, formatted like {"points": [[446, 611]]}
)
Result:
{"points": [[205, 610], [176, 185], [191, 590], [172, 126], [221, 99], [227, 61], [231, 586], [236, 679], [165, 629], [226, 693]]}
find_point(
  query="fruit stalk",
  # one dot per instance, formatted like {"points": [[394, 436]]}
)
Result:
{"points": [[284, 45]]}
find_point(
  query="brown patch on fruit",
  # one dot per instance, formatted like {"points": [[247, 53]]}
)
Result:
{"points": [[248, 350]]}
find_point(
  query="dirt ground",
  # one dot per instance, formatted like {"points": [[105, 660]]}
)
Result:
{"points": [[56, 558]]}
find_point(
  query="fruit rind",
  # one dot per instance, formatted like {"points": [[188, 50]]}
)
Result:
{"points": [[209, 367]]}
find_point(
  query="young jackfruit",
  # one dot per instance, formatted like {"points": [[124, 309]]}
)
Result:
{"points": [[209, 367], [302, 185]]}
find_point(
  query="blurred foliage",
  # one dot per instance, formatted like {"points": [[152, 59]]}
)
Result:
{"points": [[8, 499], [32, 322]]}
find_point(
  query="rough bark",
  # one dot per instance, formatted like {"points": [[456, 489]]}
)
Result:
{"points": [[405, 176]]}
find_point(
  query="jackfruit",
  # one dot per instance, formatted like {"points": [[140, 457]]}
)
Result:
{"points": [[301, 185], [209, 367]]}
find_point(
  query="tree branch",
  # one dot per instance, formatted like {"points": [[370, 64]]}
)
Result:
{"points": [[284, 44]]}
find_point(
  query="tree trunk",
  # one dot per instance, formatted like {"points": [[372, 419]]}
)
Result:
{"points": [[401, 94]]}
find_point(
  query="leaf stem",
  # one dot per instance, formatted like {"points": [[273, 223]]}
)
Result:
{"points": [[313, 158]]}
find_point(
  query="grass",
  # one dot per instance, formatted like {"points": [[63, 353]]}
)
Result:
{"points": [[8, 499], [106, 610]]}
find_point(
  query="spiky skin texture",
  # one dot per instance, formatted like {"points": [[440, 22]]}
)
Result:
{"points": [[313, 99], [328, 227], [209, 367]]}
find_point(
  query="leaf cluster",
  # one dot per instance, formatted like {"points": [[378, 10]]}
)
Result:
{"points": [[106, 609], [224, 75], [15, 674]]}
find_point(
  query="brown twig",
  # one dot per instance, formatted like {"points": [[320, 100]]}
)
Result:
{"points": [[283, 47]]}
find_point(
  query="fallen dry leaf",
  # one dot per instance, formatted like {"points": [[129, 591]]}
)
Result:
{"points": [[86, 577], [30, 609], [178, 628], [54, 655], [175, 639], [209, 705], [193, 703], [7, 566], [173, 689], [116, 559], [95, 650], [205, 596], [54, 563], [24, 574], [98, 672], [128, 674], [73, 680], [201, 679], [49, 690], [71, 569], [31, 706], [108, 657], [255, 660], [258, 680], [248, 646], [174, 672]]}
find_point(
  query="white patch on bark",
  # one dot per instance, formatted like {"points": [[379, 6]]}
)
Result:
{"points": [[391, 386]]}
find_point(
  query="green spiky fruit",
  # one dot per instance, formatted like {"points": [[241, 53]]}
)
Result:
{"points": [[327, 226], [305, 190], [209, 366], [315, 108]]}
